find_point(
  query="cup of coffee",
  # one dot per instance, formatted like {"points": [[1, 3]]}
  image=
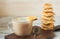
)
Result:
{"points": [[21, 26]]}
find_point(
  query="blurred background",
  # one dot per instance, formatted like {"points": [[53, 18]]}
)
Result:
{"points": [[10, 9]]}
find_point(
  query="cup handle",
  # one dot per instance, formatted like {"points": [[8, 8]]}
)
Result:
{"points": [[10, 26]]}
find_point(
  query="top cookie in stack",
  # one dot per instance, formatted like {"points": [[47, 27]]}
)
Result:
{"points": [[47, 18]]}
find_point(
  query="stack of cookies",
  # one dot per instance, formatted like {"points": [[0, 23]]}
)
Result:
{"points": [[48, 17]]}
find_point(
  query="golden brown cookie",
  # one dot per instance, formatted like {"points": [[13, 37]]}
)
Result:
{"points": [[48, 14], [47, 5]]}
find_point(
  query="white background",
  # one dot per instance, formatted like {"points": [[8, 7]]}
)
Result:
{"points": [[26, 7]]}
